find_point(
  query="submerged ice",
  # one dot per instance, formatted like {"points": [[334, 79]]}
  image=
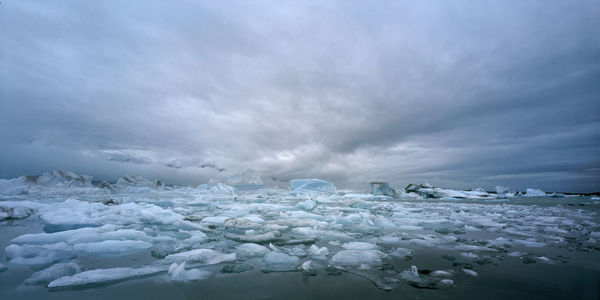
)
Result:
{"points": [[186, 233]]}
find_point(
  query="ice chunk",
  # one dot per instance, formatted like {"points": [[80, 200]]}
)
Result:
{"points": [[255, 238], [178, 273], [15, 212], [312, 185], [53, 272], [102, 276], [217, 189], [382, 189], [306, 205], [248, 180], [84, 235], [137, 180], [534, 193], [279, 262], [402, 253], [38, 255], [470, 272], [318, 253], [502, 191], [359, 246], [112, 247], [202, 256], [251, 250], [358, 257]]}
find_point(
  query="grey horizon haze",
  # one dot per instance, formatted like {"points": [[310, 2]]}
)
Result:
{"points": [[459, 94]]}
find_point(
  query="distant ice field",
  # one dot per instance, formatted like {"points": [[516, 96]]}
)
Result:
{"points": [[62, 237]]}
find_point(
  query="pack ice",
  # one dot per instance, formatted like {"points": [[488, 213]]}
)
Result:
{"points": [[188, 232]]}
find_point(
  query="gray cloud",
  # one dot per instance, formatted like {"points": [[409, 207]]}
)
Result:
{"points": [[458, 94]]}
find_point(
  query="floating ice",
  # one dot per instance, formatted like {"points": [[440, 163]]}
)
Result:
{"points": [[248, 180], [251, 250], [279, 262], [358, 257], [312, 186], [102, 276], [38, 255], [137, 181], [178, 273], [53, 272], [359, 246], [382, 189], [111, 247], [534, 193], [402, 253], [201, 256], [306, 205], [470, 272], [318, 253]]}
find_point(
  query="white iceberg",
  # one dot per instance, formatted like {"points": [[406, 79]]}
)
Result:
{"points": [[45, 276], [534, 193], [178, 273], [358, 257]]}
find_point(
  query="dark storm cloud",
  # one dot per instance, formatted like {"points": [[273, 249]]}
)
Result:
{"points": [[458, 94]]}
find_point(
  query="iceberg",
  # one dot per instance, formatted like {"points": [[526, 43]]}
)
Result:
{"points": [[137, 181], [38, 255], [534, 193], [382, 189], [312, 186], [52, 273], [201, 256], [248, 180], [251, 250], [358, 257], [279, 262], [178, 273], [429, 191], [103, 276], [111, 247]]}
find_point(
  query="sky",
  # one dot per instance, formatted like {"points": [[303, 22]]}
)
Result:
{"points": [[459, 94]]}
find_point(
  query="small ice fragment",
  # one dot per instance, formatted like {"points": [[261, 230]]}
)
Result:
{"points": [[279, 262], [470, 272], [469, 255], [111, 247], [359, 246], [318, 253], [306, 205], [251, 250], [402, 253], [441, 273], [202, 256], [545, 260], [358, 257], [52, 273], [99, 276], [178, 273], [414, 271]]}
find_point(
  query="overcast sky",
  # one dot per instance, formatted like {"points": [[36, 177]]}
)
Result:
{"points": [[455, 93]]}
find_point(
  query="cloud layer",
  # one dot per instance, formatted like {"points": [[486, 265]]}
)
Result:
{"points": [[459, 94]]}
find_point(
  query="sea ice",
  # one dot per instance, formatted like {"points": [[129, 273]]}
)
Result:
{"points": [[101, 276], [279, 262], [178, 273], [312, 186], [534, 193], [382, 189], [53, 272], [111, 247], [38, 255], [251, 250], [358, 257], [201, 256]]}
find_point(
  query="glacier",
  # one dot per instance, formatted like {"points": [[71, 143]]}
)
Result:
{"points": [[83, 235]]}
